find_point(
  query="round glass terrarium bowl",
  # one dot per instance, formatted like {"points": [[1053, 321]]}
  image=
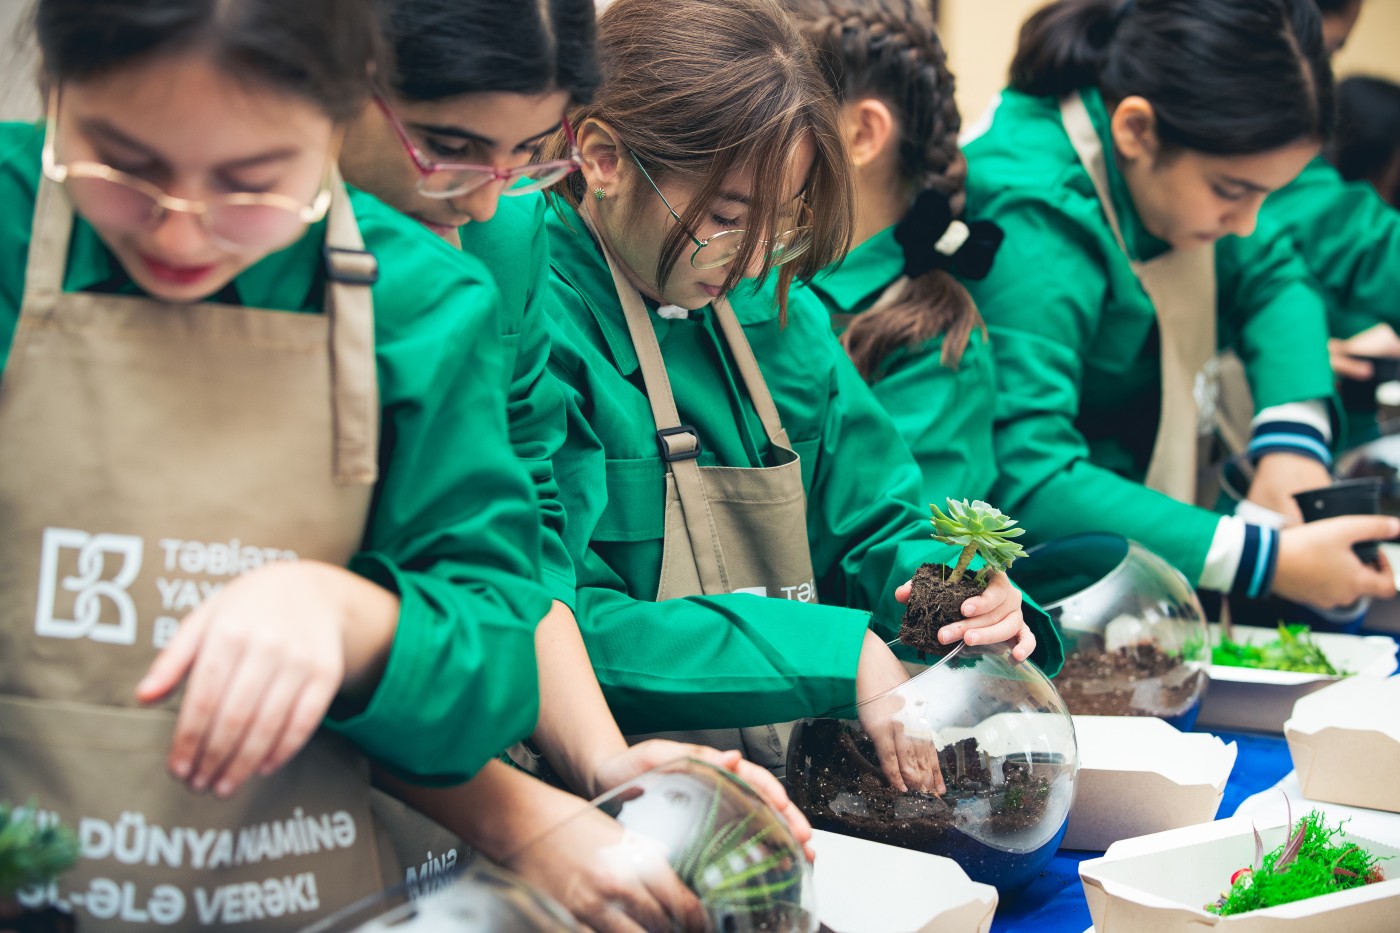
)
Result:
{"points": [[1005, 752], [1136, 642], [482, 898], [692, 827]]}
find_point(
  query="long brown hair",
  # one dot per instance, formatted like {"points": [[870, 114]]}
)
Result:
{"points": [[889, 50], [700, 89]]}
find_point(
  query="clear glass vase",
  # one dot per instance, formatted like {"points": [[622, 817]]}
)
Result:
{"points": [[1006, 761], [695, 848], [1136, 642]]}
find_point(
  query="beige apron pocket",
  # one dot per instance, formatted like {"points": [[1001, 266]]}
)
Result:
{"points": [[281, 852]]}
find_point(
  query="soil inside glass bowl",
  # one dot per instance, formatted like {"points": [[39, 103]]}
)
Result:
{"points": [[992, 803], [1134, 680]]}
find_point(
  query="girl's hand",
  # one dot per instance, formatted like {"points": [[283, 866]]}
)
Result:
{"points": [[1279, 476], [1378, 341], [907, 755], [1317, 566], [263, 659], [610, 880], [652, 753], [993, 617]]}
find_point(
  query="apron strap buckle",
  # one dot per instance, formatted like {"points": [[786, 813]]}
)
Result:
{"points": [[351, 266], [686, 445]]}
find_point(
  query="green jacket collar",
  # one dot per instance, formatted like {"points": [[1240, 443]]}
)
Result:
{"points": [[287, 280], [854, 283], [1141, 244], [577, 259]]}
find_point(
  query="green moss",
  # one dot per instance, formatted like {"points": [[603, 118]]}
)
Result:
{"points": [[1293, 650], [1325, 863], [31, 854]]}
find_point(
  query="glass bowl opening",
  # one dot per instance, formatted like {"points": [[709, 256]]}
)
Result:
{"points": [[1135, 634]]}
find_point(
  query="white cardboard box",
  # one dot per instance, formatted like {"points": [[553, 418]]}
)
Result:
{"points": [[1160, 884], [869, 887], [1139, 775], [1345, 743], [1261, 700], [1273, 804]]}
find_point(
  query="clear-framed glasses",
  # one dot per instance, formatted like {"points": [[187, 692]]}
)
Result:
{"points": [[454, 179], [718, 250], [239, 222]]}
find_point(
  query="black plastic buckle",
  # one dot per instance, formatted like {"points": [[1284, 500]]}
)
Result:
{"points": [[665, 448], [350, 266]]}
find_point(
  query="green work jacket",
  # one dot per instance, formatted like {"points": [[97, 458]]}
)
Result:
{"points": [[453, 530], [1349, 238], [732, 659], [535, 402], [1075, 337], [944, 414]]}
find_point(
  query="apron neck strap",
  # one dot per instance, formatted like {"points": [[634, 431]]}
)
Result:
{"points": [[678, 441], [48, 246], [350, 271], [1085, 140]]}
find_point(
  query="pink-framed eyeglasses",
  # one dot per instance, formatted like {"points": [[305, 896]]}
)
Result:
{"points": [[454, 179]]}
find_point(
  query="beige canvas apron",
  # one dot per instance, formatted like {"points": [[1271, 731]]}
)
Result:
{"points": [[1181, 285], [727, 529], [153, 452]]}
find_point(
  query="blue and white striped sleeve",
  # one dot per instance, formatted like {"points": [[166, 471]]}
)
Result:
{"points": [[1242, 558], [1302, 428]]}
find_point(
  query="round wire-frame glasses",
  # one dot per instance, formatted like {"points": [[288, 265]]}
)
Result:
{"points": [[718, 250], [238, 222]]}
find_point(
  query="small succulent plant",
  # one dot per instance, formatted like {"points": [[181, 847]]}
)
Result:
{"points": [[977, 528], [31, 854]]}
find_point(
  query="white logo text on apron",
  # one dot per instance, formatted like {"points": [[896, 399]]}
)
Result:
{"points": [[100, 569]]}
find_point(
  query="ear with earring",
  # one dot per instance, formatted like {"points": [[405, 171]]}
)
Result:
{"points": [[599, 194]]}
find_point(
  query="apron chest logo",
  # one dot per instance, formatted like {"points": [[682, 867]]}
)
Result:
{"points": [[88, 583], [94, 586]]}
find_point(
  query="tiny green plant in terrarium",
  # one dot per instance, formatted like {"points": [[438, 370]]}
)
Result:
{"points": [[733, 871], [937, 595], [32, 853]]}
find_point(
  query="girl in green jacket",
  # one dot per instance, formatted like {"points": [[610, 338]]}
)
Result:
{"points": [[908, 324], [450, 140], [1126, 164], [257, 477], [711, 154]]}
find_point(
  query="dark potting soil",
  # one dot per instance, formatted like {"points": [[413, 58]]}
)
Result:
{"points": [[933, 604], [834, 777], [1135, 680]]}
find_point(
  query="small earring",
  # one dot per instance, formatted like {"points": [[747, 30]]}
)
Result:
{"points": [[599, 194]]}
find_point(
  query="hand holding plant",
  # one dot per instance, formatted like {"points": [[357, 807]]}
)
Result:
{"points": [[939, 600]]}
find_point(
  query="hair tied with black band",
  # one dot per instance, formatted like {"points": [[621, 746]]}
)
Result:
{"points": [[933, 239]]}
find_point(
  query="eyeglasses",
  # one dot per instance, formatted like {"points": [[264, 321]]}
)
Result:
{"points": [[718, 250], [239, 222], [454, 179]]}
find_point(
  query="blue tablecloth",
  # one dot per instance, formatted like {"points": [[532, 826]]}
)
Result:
{"points": [[1054, 903]]}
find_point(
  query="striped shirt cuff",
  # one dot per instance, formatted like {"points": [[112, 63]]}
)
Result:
{"points": [[1303, 428], [1254, 577]]}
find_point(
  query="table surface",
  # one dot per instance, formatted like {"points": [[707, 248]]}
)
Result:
{"points": [[1054, 902]]}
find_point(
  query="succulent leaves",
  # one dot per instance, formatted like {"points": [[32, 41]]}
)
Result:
{"points": [[977, 526]]}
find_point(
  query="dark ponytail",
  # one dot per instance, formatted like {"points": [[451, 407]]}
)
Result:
{"points": [[889, 50], [321, 50], [1224, 77], [443, 48]]}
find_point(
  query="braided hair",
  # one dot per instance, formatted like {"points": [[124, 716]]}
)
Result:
{"points": [[889, 50]]}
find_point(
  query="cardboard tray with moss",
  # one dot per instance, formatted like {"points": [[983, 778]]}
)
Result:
{"points": [[937, 595], [1313, 861], [32, 853], [1293, 650]]}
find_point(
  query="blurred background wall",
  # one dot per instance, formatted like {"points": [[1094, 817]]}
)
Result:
{"points": [[980, 36]]}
